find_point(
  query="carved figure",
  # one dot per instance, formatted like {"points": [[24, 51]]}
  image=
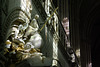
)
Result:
{"points": [[14, 32], [36, 40], [36, 16], [32, 28], [22, 27]]}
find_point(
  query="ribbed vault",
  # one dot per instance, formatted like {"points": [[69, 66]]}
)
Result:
{"points": [[89, 32], [84, 30]]}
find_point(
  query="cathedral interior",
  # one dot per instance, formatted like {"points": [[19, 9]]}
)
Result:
{"points": [[49, 33]]}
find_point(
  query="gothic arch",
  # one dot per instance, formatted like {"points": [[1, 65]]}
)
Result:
{"points": [[87, 16]]}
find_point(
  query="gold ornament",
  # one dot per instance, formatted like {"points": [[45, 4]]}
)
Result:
{"points": [[8, 42], [33, 50]]}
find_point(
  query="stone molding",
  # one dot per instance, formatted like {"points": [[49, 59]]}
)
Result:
{"points": [[16, 14]]}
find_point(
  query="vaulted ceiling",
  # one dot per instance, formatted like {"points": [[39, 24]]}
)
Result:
{"points": [[84, 29]]}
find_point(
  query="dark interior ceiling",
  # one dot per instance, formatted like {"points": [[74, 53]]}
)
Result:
{"points": [[86, 15], [90, 19], [95, 38]]}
